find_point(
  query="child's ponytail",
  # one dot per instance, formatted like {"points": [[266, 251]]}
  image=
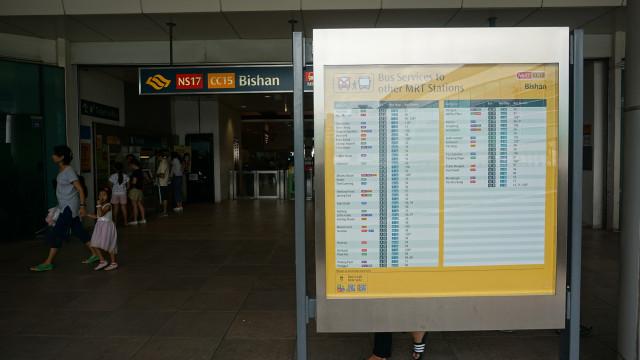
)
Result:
{"points": [[119, 167]]}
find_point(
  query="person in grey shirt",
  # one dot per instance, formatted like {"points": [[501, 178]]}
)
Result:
{"points": [[71, 204]]}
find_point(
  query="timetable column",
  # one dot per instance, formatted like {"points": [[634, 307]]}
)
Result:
{"points": [[500, 223], [382, 186], [418, 180], [491, 149], [394, 185]]}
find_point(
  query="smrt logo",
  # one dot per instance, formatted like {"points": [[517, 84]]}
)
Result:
{"points": [[158, 82], [531, 75]]}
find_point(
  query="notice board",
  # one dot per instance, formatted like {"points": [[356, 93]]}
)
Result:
{"points": [[441, 175]]}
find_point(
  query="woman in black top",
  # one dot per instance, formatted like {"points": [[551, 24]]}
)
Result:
{"points": [[136, 194]]}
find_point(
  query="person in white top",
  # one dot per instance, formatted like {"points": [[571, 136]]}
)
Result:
{"points": [[119, 184], [176, 179]]}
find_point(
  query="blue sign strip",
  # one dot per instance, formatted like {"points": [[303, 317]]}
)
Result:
{"points": [[220, 80]]}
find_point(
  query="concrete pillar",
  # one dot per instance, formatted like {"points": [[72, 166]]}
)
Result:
{"points": [[615, 131], [628, 331], [63, 48], [599, 108], [595, 118]]}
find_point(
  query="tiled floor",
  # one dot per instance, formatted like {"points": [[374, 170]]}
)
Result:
{"points": [[217, 282]]}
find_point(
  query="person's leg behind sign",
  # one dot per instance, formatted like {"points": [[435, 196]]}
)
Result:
{"points": [[382, 342]]}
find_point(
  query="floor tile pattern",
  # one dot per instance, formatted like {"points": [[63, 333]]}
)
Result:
{"points": [[217, 282]]}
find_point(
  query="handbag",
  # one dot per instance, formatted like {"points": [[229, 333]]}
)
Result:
{"points": [[52, 215]]}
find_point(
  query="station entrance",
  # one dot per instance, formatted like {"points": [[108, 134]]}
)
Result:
{"points": [[236, 146]]}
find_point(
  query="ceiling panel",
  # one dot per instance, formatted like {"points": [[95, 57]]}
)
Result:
{"points": [[338, 19], [82, 7], [475, 4], [274, 24], [32, 7], [125, 27], [581, 3], [615, 20], [340, 4], [200, 26], [414, 18], [421, 4], [53, 27], [172, 6], [259, 5], [571, 17], [480, 17], [7, 27], [264, 25], [47, 27]]}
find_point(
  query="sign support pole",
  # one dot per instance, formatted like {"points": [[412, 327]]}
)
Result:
{"points": [[570, 336], [298, 144]]}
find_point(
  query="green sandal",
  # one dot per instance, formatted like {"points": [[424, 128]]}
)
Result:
{"points": [[94, 258], [41, 267]]}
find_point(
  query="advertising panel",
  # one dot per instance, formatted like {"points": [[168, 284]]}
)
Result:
{"points": [[85, 157]]}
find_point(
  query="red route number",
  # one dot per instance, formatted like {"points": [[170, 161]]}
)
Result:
{"points": [[189, 81]]}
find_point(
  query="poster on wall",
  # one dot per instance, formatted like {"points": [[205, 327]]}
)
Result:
{"points": [[441, 180], [85, 157], [185, 153], [102, 165]]}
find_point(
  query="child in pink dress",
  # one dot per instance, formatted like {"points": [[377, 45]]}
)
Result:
{"points": [[104, 236]]}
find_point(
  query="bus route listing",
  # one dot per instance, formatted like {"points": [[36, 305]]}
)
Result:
{"points": [[386, 183], [495, 182]]}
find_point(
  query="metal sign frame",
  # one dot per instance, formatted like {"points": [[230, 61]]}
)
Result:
{"points": [[442, 46]]}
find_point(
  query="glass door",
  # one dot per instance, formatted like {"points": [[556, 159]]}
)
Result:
{"points": [[200, 179], [24, 209]]}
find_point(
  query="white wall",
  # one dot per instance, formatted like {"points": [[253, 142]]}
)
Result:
{"points": [[28, 48], [104, 89], [595, 114], [100, 88]]}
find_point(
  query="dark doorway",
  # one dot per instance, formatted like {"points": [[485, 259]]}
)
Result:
{"points": [[23, 212], [200, 179]]}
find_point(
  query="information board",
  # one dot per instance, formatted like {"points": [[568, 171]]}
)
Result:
{"points": [[441, 179]]}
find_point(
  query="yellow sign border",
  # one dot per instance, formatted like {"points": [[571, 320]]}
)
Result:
{"points": [[486, 81]]}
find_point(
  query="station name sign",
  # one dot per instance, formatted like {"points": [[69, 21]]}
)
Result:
{"points": [[220, 80]]}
